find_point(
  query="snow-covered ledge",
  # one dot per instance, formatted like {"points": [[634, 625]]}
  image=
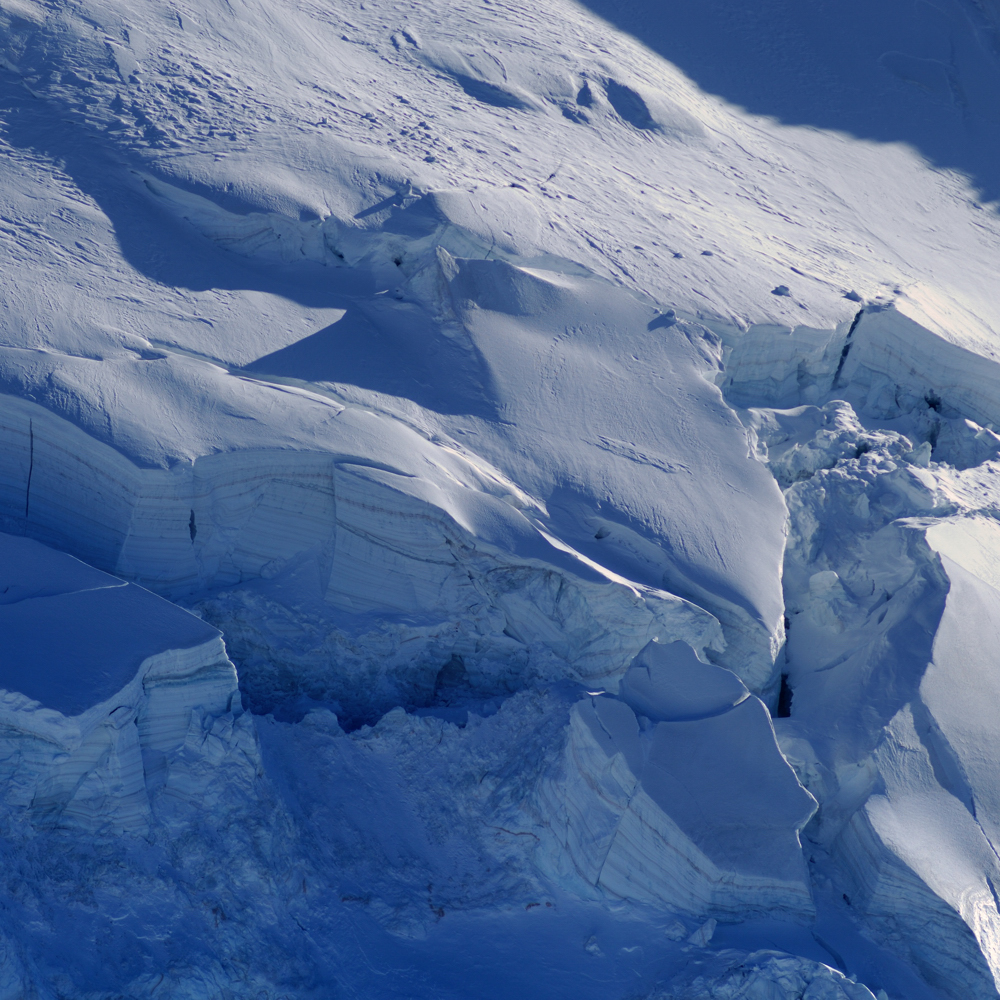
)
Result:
{"points": [[109, 695]]}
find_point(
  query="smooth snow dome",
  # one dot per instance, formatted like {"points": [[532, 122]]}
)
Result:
{"points": [[76, 636]]}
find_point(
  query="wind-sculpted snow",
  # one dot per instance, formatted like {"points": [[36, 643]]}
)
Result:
{"points": [[529, 423]]}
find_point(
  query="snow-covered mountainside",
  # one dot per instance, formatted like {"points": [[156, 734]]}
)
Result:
{"points": [[593, 482]]}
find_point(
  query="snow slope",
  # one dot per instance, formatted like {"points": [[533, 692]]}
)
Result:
{"points": [[444, 357]]}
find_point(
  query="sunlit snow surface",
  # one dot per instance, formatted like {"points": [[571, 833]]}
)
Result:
{"points": [[531, 424]]}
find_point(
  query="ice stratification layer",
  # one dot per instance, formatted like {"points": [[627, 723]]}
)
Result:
{"points": [[533, 425], [113, 698]]}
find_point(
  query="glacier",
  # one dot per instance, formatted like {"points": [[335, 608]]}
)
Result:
{"points": [[115, 701], [486, 510], [661, 813]]}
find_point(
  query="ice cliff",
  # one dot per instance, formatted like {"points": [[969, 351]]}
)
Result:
{"points": [[592, 483], [662, 811], [115, 702]]}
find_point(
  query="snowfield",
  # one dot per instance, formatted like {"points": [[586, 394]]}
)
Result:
{"points": [[593, 484]]}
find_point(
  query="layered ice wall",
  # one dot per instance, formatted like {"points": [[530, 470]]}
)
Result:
{"points": [[919, 347], [675, 794], [530, 423], [115, 702], [388, 524]]}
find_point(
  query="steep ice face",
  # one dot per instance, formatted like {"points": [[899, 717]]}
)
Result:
{"points": [[677, 795], [936, 815], [109, 695]]}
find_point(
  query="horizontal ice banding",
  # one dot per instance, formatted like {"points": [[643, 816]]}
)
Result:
{"points": [[699, 813], [775, 366], [918, 357], [218, 519], [471, 263], [97, 675], [376, 542], [930, 349]]}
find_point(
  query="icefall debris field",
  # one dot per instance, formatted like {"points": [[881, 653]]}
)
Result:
{"points": [[487, 511]]}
